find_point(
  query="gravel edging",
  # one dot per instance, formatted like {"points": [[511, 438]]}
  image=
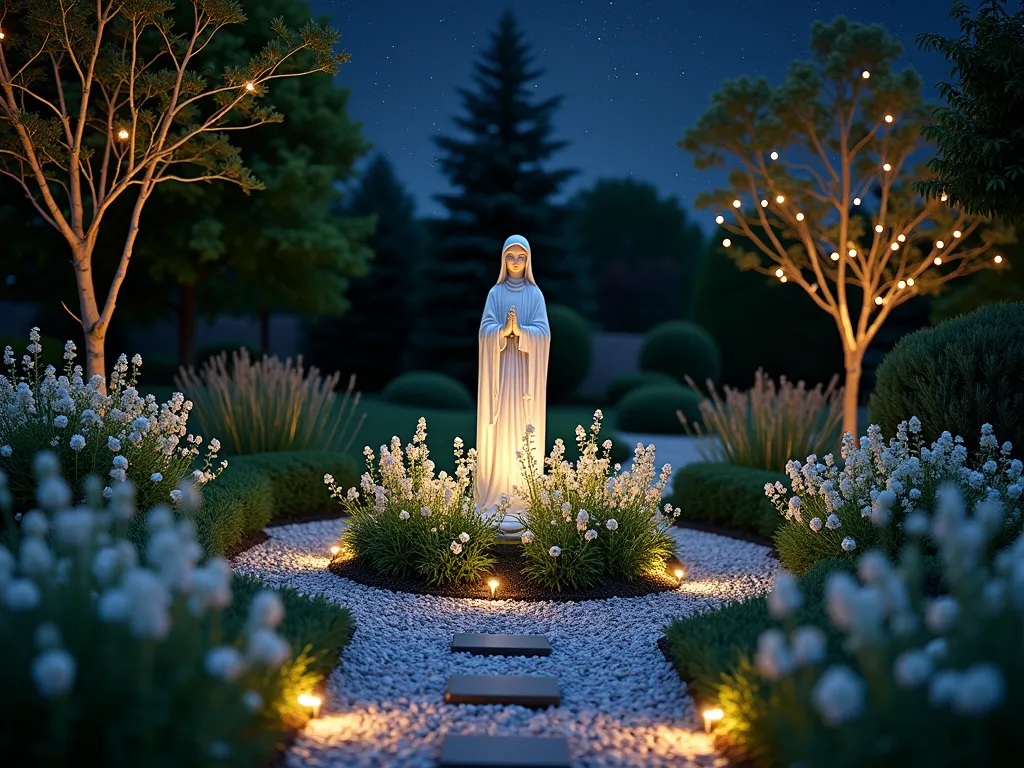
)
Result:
{"points": [[623, 703]]}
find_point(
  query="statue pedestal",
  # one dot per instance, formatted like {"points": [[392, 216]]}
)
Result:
{"points": [[510, 528]]}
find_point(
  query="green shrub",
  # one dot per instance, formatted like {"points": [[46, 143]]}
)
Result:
{"points": [[767, 425], [681, 348], [297, 480], [727, 495], [428, 389], [569, 361], [962, 374], [624, 383], [271, 405], [584, 524], [435, 534], [239, 502], [707, 645], [842, 512], [914, 679], [118, 435], [652, 409], [129, 664]]}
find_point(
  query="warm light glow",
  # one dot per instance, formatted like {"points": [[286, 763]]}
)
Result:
{"points": [[886, 167], [726, 242], [901, 238], [680, 573], [856, 201], [764, 203], [783, 279], [312, 702], [774, 155], [719, 219], [865, 74], [712, 716], [780, 199], [888, 118], [779, 272], [937, 261], [835, 256], [895, 246], [901, 284], [957, 233], [335, 550], [122, 134], [878, 227], [250, 86], [2, 35], [939, 244], [878, 300], [853, 252], [799, 217], [493, 584], [998, 259], [736, 203], [910, 281], [944, 197]]}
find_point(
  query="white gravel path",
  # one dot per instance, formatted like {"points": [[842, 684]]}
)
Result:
{"points": [[622, 703]]}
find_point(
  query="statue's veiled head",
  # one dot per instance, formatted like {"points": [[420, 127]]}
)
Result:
{"points": [[516, 262]]}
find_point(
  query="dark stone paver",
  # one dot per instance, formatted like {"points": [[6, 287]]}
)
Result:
{"points": [[501, 645], [505, 752], [524, 690]]}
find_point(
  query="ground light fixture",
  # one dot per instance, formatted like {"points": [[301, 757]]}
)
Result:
{"points": [[680, 574], [335, 550], [309, 701], [711, 718], [493, 584]]}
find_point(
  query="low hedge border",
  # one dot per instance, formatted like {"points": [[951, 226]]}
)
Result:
{"points": [[266, 488], [726, 495]]}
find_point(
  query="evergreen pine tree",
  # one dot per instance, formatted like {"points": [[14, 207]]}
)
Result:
{"points": [[501, 190], [363, 339]]}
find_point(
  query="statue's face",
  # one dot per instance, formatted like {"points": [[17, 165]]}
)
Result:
{"points": [[515, 260]]}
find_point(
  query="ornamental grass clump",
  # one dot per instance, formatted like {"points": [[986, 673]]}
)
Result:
{"points": [[915, 678], [588, 522], [406, 521], [834, 512], [765, 426], [113, 432], [271, 405], [116, 655]]}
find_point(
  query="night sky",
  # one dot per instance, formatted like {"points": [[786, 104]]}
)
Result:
{"points": [[634, 73]]}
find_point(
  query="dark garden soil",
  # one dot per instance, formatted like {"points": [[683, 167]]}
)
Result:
{"points": [[247, 542], [513, 584]]}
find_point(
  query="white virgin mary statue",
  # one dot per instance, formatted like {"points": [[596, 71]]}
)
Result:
{"points": [[512, 394]]}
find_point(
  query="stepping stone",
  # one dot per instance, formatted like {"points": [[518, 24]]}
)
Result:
{"points": [[524, 690], [505, 752], [501, 645]]}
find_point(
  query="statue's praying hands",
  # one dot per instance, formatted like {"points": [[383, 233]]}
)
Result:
{"points": [[511, 324]]}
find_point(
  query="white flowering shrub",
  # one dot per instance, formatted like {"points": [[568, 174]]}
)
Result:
{"points": [[405, 520], [589, 521], [919, 678], [118, 655], [832, 511], [117, 434]]}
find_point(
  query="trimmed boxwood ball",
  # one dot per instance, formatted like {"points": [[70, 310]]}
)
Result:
{"points": [[652, 409], [569, 361], [682, 348], [625, 383], [961, 374], [428, 389], [726, 495]]}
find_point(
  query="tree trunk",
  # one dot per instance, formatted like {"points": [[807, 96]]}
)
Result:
{"points": [[265, 332], [95, 344], [851, 394], [93, 332], [186, 325]]}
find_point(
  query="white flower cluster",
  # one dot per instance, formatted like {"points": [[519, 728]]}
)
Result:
{"points": [[957, 651], [119, 427], [879, 480], [141, 596]]}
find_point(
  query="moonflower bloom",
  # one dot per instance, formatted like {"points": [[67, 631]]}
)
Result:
{"points": [[224, 663], [252, 701], [113, 606], [36, 557], [815, 524], [120, 462], [76, 443], [912, 668], [555, 551], [611, 524], [785, 597], [5, 451], [21, 595], [848, 544], [456, 547], [773, 658], [590, 535], [156, 477], [982, 688], [833, 522], [463, 537], [266, 610], [35, 524], [73, 527], [527, 537], [916, 524], [941, 614], [53, 493], [943, 687], [266, 647], [809, 645], [60, 421], [403, 515], [838, 695], [105, 564], [53, 672]]}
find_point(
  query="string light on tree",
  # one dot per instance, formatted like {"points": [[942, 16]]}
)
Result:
{"points": [[780, 199], [910, 281], [726, 242], [886, 167], [895, 246], [853, 253], [719, 219], [865, 74], [937, 261], [878, 227], [957, 233], [779, 272], [902, 238], [799, 217], [835, 256], [998, 259], [736, 203], [878, 300], [944, 197], [774, 155], [889, 118], [856, 201], [250, 86], [764, 203], [901, 284], [939, 244], [122, 134]]}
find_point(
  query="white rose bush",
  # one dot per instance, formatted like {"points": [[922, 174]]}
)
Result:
{"points": [[901, 671], [118, 654], [111, 431], [406, 520], [834, 511], [589, 521]]}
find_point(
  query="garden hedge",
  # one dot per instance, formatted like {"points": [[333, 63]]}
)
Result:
{"points": [[682, 348], [957, 376], [727, 495], [652, 409], [569, 361], [624, 383], [428, 389]]}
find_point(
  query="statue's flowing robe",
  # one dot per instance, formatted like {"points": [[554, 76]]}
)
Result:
{"points": [[512, 390]]}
